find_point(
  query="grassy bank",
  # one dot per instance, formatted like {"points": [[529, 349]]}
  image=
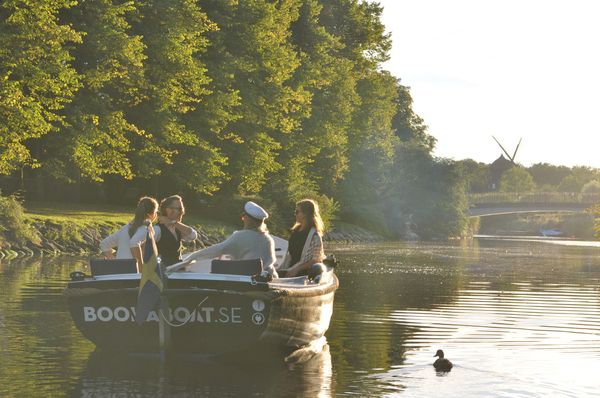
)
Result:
{"points": [[53, 228], [86, 215]]}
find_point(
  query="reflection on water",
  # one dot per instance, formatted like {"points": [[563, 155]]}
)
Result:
{"points": [[517, 318], [109, 376]]}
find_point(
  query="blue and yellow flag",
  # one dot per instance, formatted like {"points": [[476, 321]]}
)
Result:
{"points": [[151, 284]]}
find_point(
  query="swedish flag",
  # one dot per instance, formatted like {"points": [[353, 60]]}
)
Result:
{"points": [[151, 284]]}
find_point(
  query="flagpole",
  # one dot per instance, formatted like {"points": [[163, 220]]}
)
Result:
{"points": [[164, 331], [152, 294]]}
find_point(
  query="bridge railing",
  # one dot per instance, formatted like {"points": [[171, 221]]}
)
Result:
{"points": [[534, 197]]}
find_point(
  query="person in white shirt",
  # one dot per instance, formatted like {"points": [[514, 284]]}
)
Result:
{"points": [[128, 239], [253, 242]]}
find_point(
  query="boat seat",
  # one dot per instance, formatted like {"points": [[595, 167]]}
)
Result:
{"points": [[100, 266], [236, 267]]}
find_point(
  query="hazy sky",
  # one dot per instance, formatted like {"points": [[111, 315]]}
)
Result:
{"points": [[507, 68]]}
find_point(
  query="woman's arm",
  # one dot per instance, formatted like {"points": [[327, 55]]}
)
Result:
{"points": [[212, 251], [299, 267], [136, 252], [139, 237], [187, 233], [107, 244]]}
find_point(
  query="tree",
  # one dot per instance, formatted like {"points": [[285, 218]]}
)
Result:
{"points": [[409, 126], [548, 174], [517, 179], [475, 174], [258, 63], [36, 77], [174, 33], [591, 187], [427, 196], [98, 137]]}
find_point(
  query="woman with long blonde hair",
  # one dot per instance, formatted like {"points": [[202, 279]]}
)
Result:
{"points": [[305, 245]]}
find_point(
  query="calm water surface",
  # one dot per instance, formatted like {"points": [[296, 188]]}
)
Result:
{"points": [[517, 318]]}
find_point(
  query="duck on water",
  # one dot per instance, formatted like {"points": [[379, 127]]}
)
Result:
{"points": [[442, 364]]}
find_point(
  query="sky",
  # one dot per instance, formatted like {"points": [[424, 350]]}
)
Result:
{"points": [[511, 69]]}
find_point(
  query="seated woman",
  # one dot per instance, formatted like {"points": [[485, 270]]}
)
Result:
{"points": [[305, 246], [129, 239], [253, 242]]}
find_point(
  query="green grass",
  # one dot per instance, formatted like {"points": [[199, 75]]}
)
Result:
{"points": [[87, 215]]}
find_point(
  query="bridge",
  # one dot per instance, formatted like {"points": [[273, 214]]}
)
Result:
{"points": [[498, 203]]}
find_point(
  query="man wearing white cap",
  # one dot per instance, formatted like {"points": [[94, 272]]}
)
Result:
{"points": [[252, 242]]}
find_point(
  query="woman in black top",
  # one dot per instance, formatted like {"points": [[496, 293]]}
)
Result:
{"points": [[170, 231], [305, 245]]}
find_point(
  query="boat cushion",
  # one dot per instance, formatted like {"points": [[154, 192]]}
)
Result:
{"points": [[236, 267], [113, 266]]}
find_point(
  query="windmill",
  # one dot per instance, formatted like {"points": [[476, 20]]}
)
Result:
{"points": [[511, 158], [502, 164]]}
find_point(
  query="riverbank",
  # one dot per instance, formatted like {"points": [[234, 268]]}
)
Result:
{"points": [[572, 225], [78, 229]]}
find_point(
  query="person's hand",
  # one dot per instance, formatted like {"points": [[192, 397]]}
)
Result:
{"points": [[151, 231], [108, 255], [166, 220]]}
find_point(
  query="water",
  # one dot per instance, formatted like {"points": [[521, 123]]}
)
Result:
{"points": [[518, 318]]}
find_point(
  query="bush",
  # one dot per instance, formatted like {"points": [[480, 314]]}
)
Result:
{"points": [[13, 226], [591, 187]]}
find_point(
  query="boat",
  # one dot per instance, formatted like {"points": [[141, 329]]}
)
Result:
{"points": [[205, 313], [550, 232]]}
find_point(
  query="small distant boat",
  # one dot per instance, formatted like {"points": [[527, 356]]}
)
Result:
{"points": [[208, 313], [550, 232]]}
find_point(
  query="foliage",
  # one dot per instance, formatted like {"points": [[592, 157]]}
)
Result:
{"points": [[429, 195], [218, 100], [517, 179], [548, 174], [591, 187], [36, 77], [579, 176], [476, 175], [13, 226]]}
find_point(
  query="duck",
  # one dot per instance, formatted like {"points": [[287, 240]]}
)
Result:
{"points": [[441, 364]]}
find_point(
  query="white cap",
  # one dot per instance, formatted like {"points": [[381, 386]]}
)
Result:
{"points": [[255, 211]]}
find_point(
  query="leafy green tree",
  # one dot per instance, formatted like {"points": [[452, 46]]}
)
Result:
{"points": [[174, 34], [517, 179], [548, 174], [580, 175], [258, 61], [372, 140], [409, 126], [315, 155], [36, 77], [475, 174], [591, 187], [98, 138], [427, 197]]}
